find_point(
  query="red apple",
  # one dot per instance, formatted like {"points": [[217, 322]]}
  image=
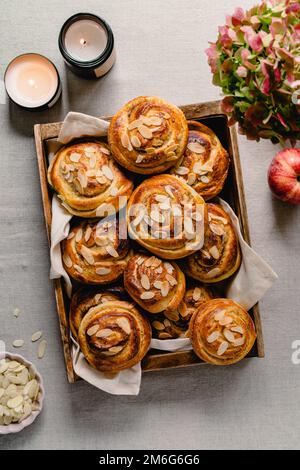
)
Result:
{"points": [[284, 175]]}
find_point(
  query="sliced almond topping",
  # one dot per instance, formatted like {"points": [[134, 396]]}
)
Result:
{"points": [[125, 141], [134, 124], [36, 336], [107, 172], [139, 158], [229, 335], [217, 229], [42, 349], [213, 336], [103, 271], [169, 191], [145, 132], [88, 233], [158, 325], [189, 226], [154, 120], [167, 322], [104, 333], [139, 261], [15, 402], [78, 235], [92, 330], [165, 289], [213, 272], [145, 281], [173, 316], [161, 198], [172, 281], [196, 294], [93, 160], [78, 268], [222, 348], [124, 324], [168, 267], [237, 329], [67, 260], [225, 321], [113, 191], [239, 341], [219, 315], [159, 270], [105, 150], [82, 178], [18, 343], [182, 170], [204, 179], [75, 157], [87, 255], [191, 178], [157, 284], [149, 262], [116, 349], [214, 252], [135, 141], [195, 147], [164, 335], [111, 251], [147, 295]]}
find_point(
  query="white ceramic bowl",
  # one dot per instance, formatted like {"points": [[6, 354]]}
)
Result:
{"points": [[16, 427]]}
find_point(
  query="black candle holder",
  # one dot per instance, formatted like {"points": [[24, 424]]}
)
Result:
{"points": [[89, 69]]}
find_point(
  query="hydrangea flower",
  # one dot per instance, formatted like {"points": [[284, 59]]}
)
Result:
{"points": [[256, 62]]}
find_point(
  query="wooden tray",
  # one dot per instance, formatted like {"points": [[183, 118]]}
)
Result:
{"points": [[210, 114]]}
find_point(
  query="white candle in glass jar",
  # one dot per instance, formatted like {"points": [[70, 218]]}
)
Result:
{"points": [[85, 40], [32, 81]]}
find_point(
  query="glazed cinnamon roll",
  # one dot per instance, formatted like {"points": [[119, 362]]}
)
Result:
{"points": [[220, 255], [205, 162], [222, 332], [175, 324], [87, 297], [93, 253], [166, 216], [154, 284], [87, 180], [148, 135], [114, 336]]}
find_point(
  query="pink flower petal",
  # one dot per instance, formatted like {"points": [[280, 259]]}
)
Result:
{"points": [[282, 121], [241, 71], [277, 27], [266, 86], [255, 42], [212, 55], [227, 104], [245, 53], [294, 8], [238, 16], [277, 74]]}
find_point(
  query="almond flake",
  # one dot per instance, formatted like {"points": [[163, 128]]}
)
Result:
{"points": [[213, 336], [237, 329], [18, 343], [196, 294], [93, 160], [124, 324], [138, 219], [15, 402], [168, 267], [172, 281], [82, 178], [111, 251], [107, 172], [36, 336], [139, 261], [78, 268], [221, 219], [78, 235], [189, 226], [169, 191], [158, 325], [139, 158], [229, 335], [213, 272], [67, 260], [239, 341], [113, 191], [116, 349], [42, 349], [161, 198], [182, 170], [125, 141], [70, 236], [87, 255], [149, 262], [217, 229], [135, 141], [195, 147], [219, 315], [145, 132], [105, 150], [204, 179], [92, 330], [103, 271], [173, 316], [104, 333], [154, 120], [134, 124], [222, 348], [145, 281], [165, 289], [159, 270], [225, 321], [214, 252], [75, 157], [191, 179], [88, 233], [157, 284], [147, 295]]}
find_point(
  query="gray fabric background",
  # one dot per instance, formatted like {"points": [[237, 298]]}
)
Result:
{"points": [[255, 404]]}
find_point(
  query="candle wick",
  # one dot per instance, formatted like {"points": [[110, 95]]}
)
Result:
{"points": [[82, 41]]}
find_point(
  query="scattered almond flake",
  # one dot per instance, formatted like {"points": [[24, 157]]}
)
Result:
{"points": [[154, 120], [195, 147], [87, 255], [149, 262], [161, 198], [217, 229], [147, 295], [70, 236], [139, 158], [177, 212], [16, 312], [82, 178], [135, 141], [222, 348], [157, 284], [107, 172], [196, 294], [145, 131], [189, 226], [213, 336], [237, 329], [197, 168], [157, 216], [78, 235], [160, 234], [168, 267], [36, 336], [229, 335], [134, 124], [116, 349], [172, 281], [205, 253], [169, 191], [113, 191], [173, 316], [204, 179], [75, 157], [104, 333], [167, 116], [225, 321], [102, 210], [138, 219], [165, 288], [213, 272], [103, 271], [239, 341], [101, 179], [191, 178], [111, 251], [42, 349], [13, 364], [78, 268], [214, 252], [145, 282], [105, 150], [15, 402], [221, 219], [92, 330], [125, 141], [93, 160], [159, 270], [124, 324], [158, 325], [18, 343], [182, 170], [88, 233], [219, 315], [139, 261]]}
